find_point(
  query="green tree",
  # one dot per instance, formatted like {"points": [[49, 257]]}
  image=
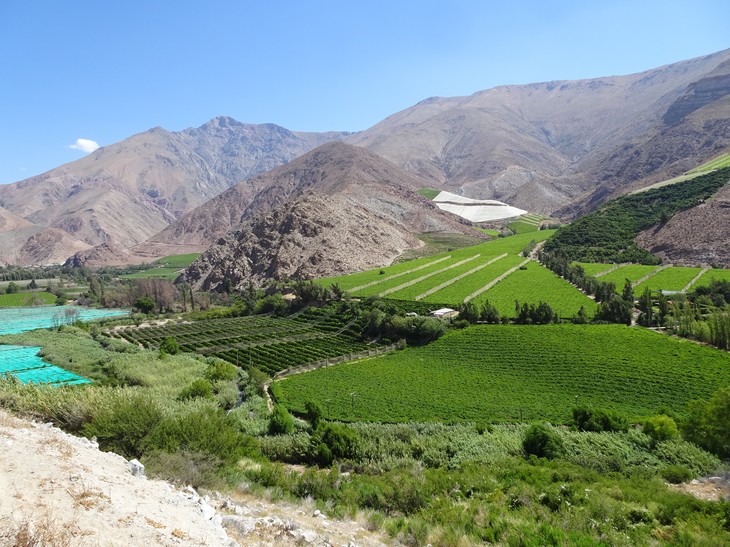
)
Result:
{"points": [[12, 288], [661, 428], [280, 422], [170, 346], [145, 304], [542, 441], [708, 424]]}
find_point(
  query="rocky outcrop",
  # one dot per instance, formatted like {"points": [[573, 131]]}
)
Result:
{"points": [[313, 236], [696, 236]]}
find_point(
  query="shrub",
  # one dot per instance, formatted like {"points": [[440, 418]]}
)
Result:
{"points": [[708, 424], [280, 422], [203, 431], [542, 441], [313, 413], [123, 426], [333, 442], [199, 388], [220, 370], [676, 474], [590, 419], [145, 304], [661, 428], [170, 346]]}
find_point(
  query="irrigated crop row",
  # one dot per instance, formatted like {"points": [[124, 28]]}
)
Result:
{"points": [[517, 373], [511, 245], [669, 279], [270, 343], [633, 272], [533, 285]]}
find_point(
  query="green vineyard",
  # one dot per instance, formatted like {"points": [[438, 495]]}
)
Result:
{"points": [[268, 343], [493, 271], [517, 373]]}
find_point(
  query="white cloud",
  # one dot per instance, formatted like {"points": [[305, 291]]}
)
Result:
{"points": [[85, 145]]}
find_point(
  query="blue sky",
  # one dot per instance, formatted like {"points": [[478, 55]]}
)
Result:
{"points": [[103, 71]]}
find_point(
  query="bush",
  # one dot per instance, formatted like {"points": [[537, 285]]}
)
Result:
{"points": [[220, 370], [676, 474], [661, 428], [203, 431], [333, 442], [199, 388], [708, 424], [590, 419], [124, 425], [313, 413], [281, 421], [170, 346], [540, 440], [145, 304]]}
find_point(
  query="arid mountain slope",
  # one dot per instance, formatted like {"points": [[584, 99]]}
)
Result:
{"points": [[700, 235], [128, 191], [540, 146], [312, 236], [332, 169], [23, 243]]}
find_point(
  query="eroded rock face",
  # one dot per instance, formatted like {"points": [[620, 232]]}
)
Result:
{"points": [[700, 235], [314, 236]]}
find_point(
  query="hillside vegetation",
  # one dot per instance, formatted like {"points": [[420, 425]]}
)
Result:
{"points": [[608, 234]]}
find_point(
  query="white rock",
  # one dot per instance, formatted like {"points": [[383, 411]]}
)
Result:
{"points": [[207, 511], [136, 468]]}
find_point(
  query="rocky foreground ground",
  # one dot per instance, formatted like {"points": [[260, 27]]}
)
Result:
{"points": [[60, 490]]}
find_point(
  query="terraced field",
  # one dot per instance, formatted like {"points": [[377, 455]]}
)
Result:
{"points": [[673, 278], [709, 275], [508, 373], [472, 273], [595, 269], [267, 343], [527, 223], [634, 272], [533, 285], [669, 279]]}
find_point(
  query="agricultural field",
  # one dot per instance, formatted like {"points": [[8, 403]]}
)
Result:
{"points": [[709, 275], [268, 343], [670, 279], [633, 272], [533, 285], [527, 223], [717, 163], [167, 267], [511, 373], [673, 278], [463, 274], [21, 299], [594, 268]]}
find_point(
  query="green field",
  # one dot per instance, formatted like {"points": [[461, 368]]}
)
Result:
{"points": [[510, 373], [177, 261], [718, 163], [526, 223], [429, 193], [709, 275], [534, 285], [633, 272], [594, 268], [268, 343], [453, 277], [167, 267], [669, 279], [21, 299]]}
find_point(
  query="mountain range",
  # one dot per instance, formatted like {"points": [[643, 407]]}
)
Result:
{"points": [[559, 148]]}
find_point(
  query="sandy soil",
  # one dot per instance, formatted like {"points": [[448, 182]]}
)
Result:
{"points": [[60, 490]]}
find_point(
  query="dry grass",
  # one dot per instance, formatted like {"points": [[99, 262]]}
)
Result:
{"points": [[44, 531]]}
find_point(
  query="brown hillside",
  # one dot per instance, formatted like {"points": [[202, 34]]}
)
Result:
{"points": [[700, 235]]}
